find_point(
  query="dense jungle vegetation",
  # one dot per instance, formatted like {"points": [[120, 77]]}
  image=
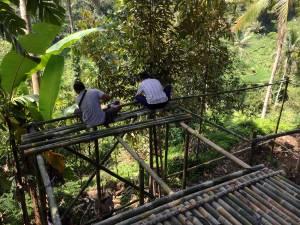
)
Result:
{"points": [[198, 46]]}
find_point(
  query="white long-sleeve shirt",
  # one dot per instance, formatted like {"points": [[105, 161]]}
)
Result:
{"points": [[153, 91]]}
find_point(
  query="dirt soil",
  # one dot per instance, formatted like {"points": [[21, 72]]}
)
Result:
{"points": [[284, 157]]}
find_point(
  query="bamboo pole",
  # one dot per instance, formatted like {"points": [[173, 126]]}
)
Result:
{"points": [[79, 194], [185, 162], [164, 186], [141, 183], [214, 146], [166, 152], [282, 105], [70, 140], [215, 125], [98, 178], [51, 200], [151, 183]]}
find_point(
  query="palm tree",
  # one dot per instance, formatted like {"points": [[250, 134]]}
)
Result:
{"points": [[281, 8], [292, 45]]}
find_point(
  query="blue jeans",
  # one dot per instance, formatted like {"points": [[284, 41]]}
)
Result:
{"points": [[143, 101]]}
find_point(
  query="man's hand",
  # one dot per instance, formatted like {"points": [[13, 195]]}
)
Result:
{"points": [[105, 97]]}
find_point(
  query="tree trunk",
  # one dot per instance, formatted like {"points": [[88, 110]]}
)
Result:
{"points": [[274, 70], [70, 15], [24, 15], [283, 77]]}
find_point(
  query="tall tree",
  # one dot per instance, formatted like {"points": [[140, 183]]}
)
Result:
{"points": [[25, 16], [281, 8]]}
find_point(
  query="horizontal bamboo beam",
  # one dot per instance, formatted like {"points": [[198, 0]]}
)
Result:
{"points": [[164, 186], [214, 146], [216, 125], [89, 136], [254, 87], [272, 136], [51, 200]]}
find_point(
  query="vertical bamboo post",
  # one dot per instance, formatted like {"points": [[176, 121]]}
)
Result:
{"points": [[155, 142], [185, 163], [98, 179], [282, 105], [151, 181], [166, 151], [156, 151], [297, 169], [253, 146], [280, 112], [141, 183], [20, 184]]}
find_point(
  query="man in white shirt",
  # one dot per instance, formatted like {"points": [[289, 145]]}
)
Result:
{"points": [[151, 93], [89, 103]]}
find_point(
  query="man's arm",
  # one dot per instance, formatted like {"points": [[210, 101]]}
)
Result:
{"points": [[140, 90]]}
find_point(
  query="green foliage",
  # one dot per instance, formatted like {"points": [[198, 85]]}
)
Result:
{"points": [[40, 39], [10, 24], [58, 47], [14, 69], [50, 81]]}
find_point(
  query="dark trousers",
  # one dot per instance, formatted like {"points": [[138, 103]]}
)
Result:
{"points": [[111, 114], [143, 101]]}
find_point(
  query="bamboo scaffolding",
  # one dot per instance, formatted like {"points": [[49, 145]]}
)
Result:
{"points": [[214, 146], [51, 200], [71, 140]]}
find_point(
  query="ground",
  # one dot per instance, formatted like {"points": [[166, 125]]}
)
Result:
{"points": [[285, 155]]}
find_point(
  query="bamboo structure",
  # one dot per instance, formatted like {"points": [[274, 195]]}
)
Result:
{"points": [[221, 201], [242, 199]]}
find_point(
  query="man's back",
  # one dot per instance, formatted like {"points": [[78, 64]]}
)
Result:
{"points": [[153, 91], [92, 114]]}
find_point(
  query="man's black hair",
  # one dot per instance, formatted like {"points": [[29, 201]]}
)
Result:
{"points": [[78, 86], [144, 75]]}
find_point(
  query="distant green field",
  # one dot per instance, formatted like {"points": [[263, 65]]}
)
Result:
{"points": [[258, 55]]}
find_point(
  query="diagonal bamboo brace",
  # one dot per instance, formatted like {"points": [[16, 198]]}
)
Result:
{"points": [[215, 147], [164, 186]]}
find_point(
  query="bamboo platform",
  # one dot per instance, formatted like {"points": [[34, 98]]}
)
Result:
{"points": [[253, 196], [53, 138]]}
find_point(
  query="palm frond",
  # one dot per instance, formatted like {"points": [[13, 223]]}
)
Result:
{"points": [[47, 11], [251, 14], [11, 24], [282, 9]]}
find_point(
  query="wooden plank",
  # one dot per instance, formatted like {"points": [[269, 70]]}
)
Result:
{"points": [[86, 137]]}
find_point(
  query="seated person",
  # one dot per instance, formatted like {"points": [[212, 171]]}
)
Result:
{"points": [[89, 103], [151, 93]]}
